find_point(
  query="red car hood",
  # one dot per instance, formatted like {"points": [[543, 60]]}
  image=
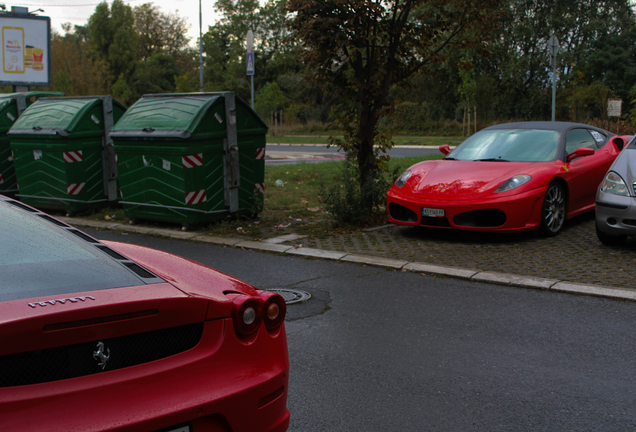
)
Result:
{"points": [[448, 179]]}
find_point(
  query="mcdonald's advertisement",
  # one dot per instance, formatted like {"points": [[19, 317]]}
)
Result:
{"points": [[26, 50]]}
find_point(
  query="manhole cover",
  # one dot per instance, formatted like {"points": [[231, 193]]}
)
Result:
{"points": [[292, 296]]}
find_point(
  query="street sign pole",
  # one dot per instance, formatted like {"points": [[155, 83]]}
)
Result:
{"points": [[553, 47], [250, 61]]}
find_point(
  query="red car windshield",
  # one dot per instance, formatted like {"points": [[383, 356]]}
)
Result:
{"points": [[39, 258], [509, 145]]}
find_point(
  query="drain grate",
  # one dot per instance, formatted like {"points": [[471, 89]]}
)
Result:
{"points": [[292, 296]]}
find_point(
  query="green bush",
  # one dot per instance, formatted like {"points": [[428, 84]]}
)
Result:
{"points": [[343, 199]]}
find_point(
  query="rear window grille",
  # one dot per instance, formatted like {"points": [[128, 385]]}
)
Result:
{"points": [[52, 220], [73, 361], [83, 236], [22, 206], [139, 271], [112, 253]]}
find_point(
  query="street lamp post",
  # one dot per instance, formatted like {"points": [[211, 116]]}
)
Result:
{"points": [[200, 50], [553, 47]]}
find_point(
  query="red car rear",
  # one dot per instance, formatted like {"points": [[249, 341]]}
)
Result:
{"points": [[109, 336]]}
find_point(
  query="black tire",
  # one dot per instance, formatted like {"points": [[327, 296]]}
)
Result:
{"points": [[609, 240], [553, 210]]}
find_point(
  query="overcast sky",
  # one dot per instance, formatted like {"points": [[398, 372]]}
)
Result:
{"points": [[77, 12]]}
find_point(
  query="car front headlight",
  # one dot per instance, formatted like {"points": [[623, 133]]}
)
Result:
{"points": [[614, 184], [403, 178], [513, 182]]}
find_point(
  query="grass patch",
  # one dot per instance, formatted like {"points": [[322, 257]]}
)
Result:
{"points": [[295, 207]]}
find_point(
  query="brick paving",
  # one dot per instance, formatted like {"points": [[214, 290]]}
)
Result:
{"points": [[575, 255]]}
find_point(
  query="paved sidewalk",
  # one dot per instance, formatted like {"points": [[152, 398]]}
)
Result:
{"points": [[575, 261]]}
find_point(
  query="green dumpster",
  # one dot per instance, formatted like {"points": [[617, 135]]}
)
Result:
{"points": [[190, 158], [63, 155], [12, 105]]}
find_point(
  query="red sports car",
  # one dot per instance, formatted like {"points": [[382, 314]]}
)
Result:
{"points": [[508, 178], [101, 335]]}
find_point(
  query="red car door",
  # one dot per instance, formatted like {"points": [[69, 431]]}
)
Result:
{"points": [[587, 172]]}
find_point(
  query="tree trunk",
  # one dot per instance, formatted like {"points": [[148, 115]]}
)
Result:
{"points": [[366, 157]]}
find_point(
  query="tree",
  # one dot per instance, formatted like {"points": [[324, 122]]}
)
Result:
{"points": [[113, 38], [74, 72], [589, 31], [159, 32], [362, 48], [224, 45]]}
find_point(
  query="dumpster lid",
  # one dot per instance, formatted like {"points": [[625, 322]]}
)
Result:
{"points": [[30, 94], [165, 115], [8, 98], [54, 116]]}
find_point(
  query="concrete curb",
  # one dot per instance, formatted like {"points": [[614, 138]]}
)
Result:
{"points": [[417, 267]]}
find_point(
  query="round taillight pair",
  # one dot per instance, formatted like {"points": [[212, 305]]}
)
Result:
{"points": [[249, 312]]}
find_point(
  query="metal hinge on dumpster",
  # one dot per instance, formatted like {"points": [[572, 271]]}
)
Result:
{"points": [[231, 171]]}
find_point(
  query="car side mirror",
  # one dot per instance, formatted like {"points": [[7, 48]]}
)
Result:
{"points": [[445, 149], [580, 152]]}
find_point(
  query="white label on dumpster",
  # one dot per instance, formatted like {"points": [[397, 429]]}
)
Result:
{"points": [[10, 116], [166, 165], [95, 119], [37, 154], [146, 163], [218, 118]]}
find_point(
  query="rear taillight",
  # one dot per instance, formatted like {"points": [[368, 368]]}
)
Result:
{"points": [[247, 314], [274, 310]]}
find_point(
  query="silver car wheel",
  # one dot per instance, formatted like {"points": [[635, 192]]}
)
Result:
{"points": [[553, 211]]}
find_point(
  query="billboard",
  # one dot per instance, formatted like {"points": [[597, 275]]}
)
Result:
{"points": [[26, 50]]}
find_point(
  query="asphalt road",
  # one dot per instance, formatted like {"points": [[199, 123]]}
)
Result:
{"points": [[284, 154], [381, 350]]}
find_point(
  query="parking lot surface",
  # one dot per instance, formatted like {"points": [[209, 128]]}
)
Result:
{"points": [[575, 255]]}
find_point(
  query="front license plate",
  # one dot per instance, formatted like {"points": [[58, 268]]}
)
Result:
{"points": [[431, 212]]}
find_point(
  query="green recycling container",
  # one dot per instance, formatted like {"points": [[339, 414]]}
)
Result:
{"points": [[61, 149], [11, 106], [190, 158]]}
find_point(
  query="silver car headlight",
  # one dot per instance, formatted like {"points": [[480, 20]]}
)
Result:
{"points": [[614, 184], [513, 182], [403, 178]]}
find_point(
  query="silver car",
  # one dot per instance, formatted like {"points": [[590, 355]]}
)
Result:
{"points": [[616, 199]]}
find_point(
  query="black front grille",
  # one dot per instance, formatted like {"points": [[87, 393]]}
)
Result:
{"points": [[435, 222], [401, 213], [72, 361], [481, 218]]}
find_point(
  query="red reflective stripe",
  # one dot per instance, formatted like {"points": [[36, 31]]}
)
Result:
{"points": [[260, 153], [1, 179], [195, 197], [259, 188], [73, 156], [75, 188], [192, 161]]}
